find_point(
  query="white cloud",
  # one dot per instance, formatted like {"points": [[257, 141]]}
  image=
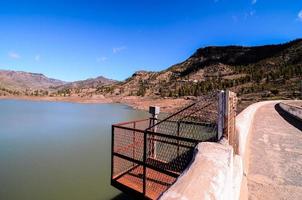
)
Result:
{"points": [[101, 59], [118, 49], [37, 58], [300, 15], [13, 55], [254, 2]]}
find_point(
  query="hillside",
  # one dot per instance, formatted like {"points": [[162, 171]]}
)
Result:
{"points": [[18, 82], [254, 73], [262, 72], [83, 87], [36, 84]]}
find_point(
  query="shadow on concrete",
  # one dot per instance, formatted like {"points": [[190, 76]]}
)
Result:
{"points": [[288, 117]]}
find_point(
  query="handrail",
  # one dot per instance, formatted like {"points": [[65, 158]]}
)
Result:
{"points": [[131, 122], [158, 134], [195, 111], [180, 111], [193, 123], [169, 117]]}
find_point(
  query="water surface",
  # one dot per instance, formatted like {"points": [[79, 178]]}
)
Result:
{"points": [[57, 151]]}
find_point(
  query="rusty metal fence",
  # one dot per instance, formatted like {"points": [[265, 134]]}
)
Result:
{"points": [[148, 155]]}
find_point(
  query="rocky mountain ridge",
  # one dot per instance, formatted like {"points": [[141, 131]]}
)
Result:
{"points": [[255, 73], [261, 70], [37, 84], [19, 81]]}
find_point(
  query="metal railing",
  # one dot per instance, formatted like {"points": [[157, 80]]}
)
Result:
{"points": [[148, 155]]}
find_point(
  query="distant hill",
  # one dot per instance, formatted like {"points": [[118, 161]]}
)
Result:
{"points": [[261, 72], [254, 73], [20, 81], [88, 83], [27, 83], [82, 88]]}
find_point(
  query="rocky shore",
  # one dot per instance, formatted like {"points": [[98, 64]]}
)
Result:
{"points": [[141, 103]]}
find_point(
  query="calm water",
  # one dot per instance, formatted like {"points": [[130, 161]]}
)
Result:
{"points": [[57, 151]]}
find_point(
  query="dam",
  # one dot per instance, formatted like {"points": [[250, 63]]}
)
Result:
{"points": [[219, 160]]}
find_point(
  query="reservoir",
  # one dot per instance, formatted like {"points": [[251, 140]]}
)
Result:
{"points": [[58, 151]]}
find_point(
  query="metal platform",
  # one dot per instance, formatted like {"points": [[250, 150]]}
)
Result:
{"points": [[148, 155]]}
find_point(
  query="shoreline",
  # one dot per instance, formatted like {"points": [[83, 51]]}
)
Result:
{"points": [[135, 102]]}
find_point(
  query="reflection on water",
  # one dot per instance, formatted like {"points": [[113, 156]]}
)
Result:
{"points": [[54, 151], [121, 196]]}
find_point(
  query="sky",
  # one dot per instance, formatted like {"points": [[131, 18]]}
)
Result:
{"points": [[76, 40]]}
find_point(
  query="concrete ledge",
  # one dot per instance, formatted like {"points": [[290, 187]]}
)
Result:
{"points": [[237, 176], [215, 172], [209, 176], [244, 125], [292, 109]]}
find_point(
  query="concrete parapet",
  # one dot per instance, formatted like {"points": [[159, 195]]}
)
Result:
{"points": [[244, 125], [292, 108], [244, 122], [209, 176], [215, 172]]}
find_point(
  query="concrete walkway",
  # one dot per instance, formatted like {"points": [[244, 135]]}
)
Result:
{"points": [[275, 156]]}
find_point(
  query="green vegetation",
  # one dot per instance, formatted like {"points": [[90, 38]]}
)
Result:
{"points": [[142, 88], [64, 92], [27, 92], [256, 79], [5, 91]]}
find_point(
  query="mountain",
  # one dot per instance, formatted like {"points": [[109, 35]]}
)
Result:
{"points": [[254, 73], [27, 83], [88, 83], [84, 88], [261, 72], [20, 81]]}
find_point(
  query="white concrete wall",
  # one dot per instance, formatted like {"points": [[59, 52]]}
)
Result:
{"points": [[244, 122], [208, 177], [292, 109], [215, 172], [244, 125]]}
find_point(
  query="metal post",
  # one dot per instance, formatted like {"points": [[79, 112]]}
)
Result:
{"points": [[112, 150], [178, 127], [221, 113], [301, 91], [227, 115], [154, 111], [144, 163], [134, 142]]}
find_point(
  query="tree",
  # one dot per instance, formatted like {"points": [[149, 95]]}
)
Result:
{"points": [[275, 91]]}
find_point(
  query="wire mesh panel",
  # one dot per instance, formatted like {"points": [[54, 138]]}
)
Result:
{"points": [[157, 183], [128, 154], [129, 143], [128, 173], [197, 121], [171, 154]]}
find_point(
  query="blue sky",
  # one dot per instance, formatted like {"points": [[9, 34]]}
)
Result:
{"points": [[73, 40]]}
